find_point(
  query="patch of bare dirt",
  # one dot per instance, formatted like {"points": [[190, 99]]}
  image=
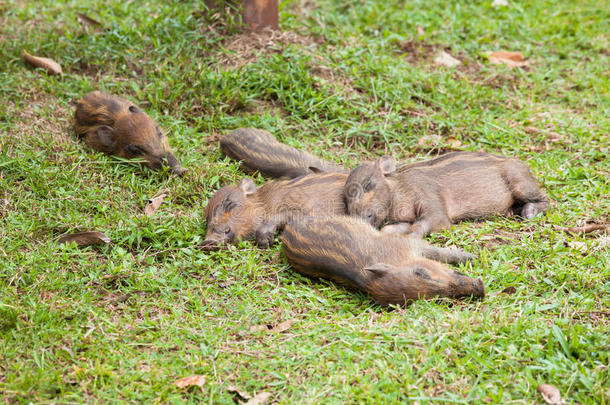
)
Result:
{"points": [[246, 47], [417, 52]]}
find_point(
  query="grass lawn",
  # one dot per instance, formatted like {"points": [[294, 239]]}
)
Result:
{"points": [[350, 81]]}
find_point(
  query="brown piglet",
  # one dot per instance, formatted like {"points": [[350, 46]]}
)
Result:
{"points": [[115, 126], [247, 212], [393, 269], [259, 151], [429, 196]]}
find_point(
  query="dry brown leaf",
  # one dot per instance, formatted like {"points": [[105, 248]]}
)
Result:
{"points": [[531, 130], [444, 59], [258, 328], [259, 399], [584, 229], [52, 67], [513, 59], [283, 327], [509, 290], [153, 204], [89, 23], [85, 238], [279, 328], [193, 380], [552, 136], [550, 394], [241, 394]]}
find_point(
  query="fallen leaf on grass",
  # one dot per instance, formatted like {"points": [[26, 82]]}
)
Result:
{"points": [[499, 3], [444, 59], [153, 204], [513, 59], [509, 290], [531, 130], [550, 394], [279, 328], [420, 31], [258, 328], [88, 22], [52, 67], [85, 238], [259, 399], [190, 381], [554, 137], [588, 228], [241, 394], [282, 327]]}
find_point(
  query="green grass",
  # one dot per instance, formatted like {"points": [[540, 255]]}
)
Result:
{"points": [[122, 322]]}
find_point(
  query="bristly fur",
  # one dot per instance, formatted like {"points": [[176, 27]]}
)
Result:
{"points": [[259, 151], [116, 126], [393, 269], [431, 195], [231, 212]]}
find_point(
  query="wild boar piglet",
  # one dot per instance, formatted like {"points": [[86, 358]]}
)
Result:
{"points": [[248, 212], [429, 196], [393, 269], [115, 126], [258, 150]]}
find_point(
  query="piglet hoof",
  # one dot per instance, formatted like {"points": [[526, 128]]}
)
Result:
{"points": [[530, 210], [396, 229], [464, 256], [458, 256], [264, 239], [479, 289]]}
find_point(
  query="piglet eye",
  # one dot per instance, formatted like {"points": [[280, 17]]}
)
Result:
{"points": [[133, 109], [228, 205], [368, 186], [134, 150]]}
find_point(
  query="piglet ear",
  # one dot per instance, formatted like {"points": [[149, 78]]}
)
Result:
{"points": [[385, 165], [105, 134], [379, 269], [247, 186]]}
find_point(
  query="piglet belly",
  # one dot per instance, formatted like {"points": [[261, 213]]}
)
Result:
{"points": [[478, 201]]}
